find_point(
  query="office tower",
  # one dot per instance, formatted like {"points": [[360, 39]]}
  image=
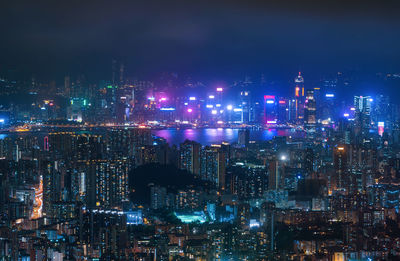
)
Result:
{"points": [[327, 107], [243, 137], [310, 111], [299, 85], [299, 98], [122, 109], [270, 110], [212, 165], [283, 111], [292, 109], [111, 102], [382, 110], [247, 109], [189, 159], [362, 120]]}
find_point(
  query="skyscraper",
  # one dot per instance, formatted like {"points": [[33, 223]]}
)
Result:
{"points": [[299, 97], [106, 182], [189, 154], [247, 108], [362, 120], [310, 111], [299, 85], [283, 110], [276, 173], [270, 110], [340, 165], [212, 165]]}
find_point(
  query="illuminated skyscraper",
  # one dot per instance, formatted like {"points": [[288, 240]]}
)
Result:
{"points": [[270, 110], [362, 105], [382, 110], [340, 165], [310, 110], [106, 182], [283, 111], [299, 85], [248, 181], [328, 107], [212, 165], [299, 97], [247, 108]]}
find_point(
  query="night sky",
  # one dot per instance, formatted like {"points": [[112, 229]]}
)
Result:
{"points": [[201, 38]]}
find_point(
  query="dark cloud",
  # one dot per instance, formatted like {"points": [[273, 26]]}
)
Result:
{"points": [[202, 38]]}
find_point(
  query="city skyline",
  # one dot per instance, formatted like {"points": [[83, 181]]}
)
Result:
{"points": [[199, 130]]}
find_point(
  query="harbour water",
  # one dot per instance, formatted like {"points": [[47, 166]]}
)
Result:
{"points": [[209, 136], [204, 136]]}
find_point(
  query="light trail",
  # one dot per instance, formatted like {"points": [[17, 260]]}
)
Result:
{"points": [[38, 204]]}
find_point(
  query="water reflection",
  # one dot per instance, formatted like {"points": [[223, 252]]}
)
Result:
{"points": [[209, 136]]}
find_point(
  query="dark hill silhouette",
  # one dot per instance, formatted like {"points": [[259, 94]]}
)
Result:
{"points": [[143, 177]]}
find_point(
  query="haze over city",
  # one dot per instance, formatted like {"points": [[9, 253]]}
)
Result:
{"points": [[199, 130]]}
